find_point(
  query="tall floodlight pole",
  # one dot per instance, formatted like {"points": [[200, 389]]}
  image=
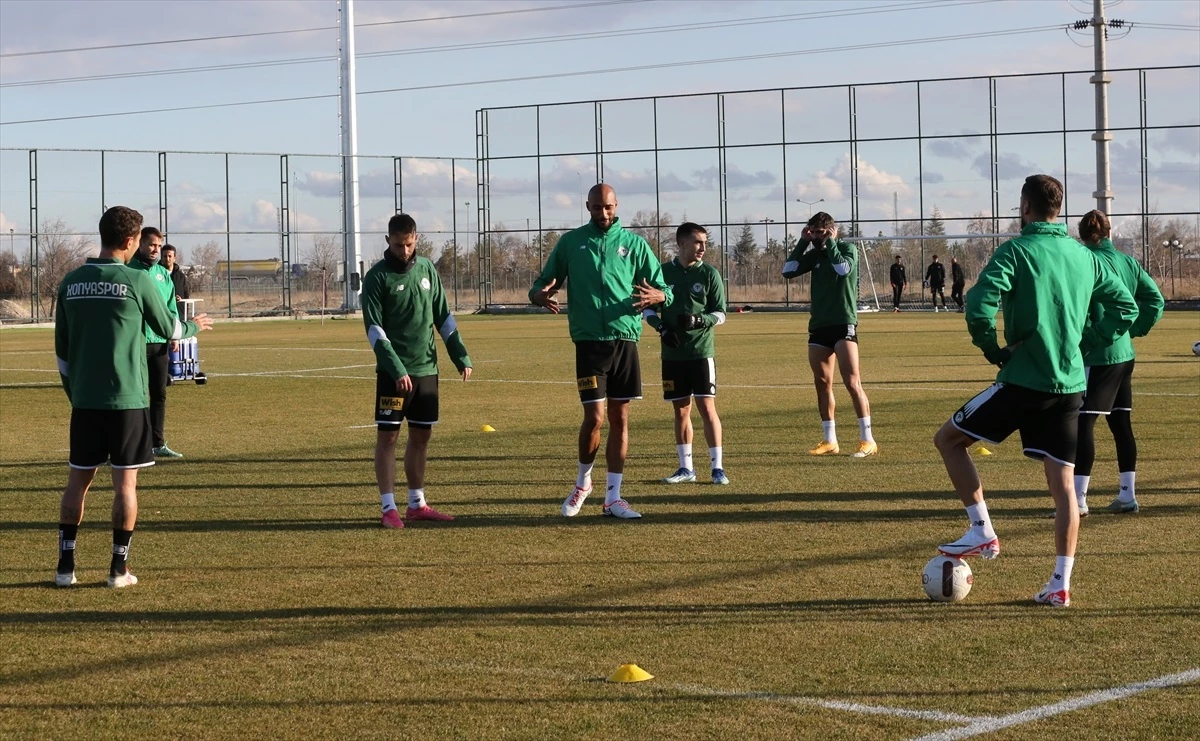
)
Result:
{"points": [[1102, 136], [351, 225]]}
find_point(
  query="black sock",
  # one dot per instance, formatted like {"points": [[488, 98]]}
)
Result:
{"points": [[66, 548], [121, 540]]}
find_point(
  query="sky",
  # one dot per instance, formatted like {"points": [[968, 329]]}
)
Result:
{"points": [[425, 68]]}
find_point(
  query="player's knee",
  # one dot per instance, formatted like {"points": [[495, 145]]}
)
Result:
{"points": [[947, 438]]}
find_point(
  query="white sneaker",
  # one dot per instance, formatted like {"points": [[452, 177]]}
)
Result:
{"points": [[124, 580], [974, 543], [1083, 510], [64, 580], [1059, 598], [620, 509], [572, 504]]}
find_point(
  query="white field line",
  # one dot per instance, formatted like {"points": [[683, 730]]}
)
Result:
{"points": [[28, 370], [695, 690], [290, 373], [989, 725]]}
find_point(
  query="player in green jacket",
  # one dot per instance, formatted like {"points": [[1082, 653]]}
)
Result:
{"points": [[613, 277], [403, 304], [832, 327], [1110, 371], [101, 350], [686, 328], [1044, 282], [158, 356]]}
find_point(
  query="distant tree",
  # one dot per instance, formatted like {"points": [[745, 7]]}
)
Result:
{"points": [[657, 229], [58, 253], [745, 250], [203, 267]]}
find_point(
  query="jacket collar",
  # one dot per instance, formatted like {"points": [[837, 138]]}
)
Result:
{"points": [[1056, 228], [395, 264], [616, 227]]}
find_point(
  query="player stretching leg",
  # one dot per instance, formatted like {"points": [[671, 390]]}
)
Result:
{"points": [[1110, 371], [614, 278], [101, 350], [686, 328], [403, 303], [833, 326], [1044, 282]]}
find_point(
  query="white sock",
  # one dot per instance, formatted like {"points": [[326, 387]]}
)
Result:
{"points": [[1126, 494], [714, 455], [864, 429], [830, 429], [980, 521], [584, 479], [685, 455], [613, 492], [1081, 489], [1062, 573], [416, 498], [388, 500]]}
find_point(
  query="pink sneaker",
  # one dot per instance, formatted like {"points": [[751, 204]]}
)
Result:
{"points": [[391, 519], [426, 513]]}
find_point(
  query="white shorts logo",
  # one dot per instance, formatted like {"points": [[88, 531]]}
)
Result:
{"points": [[425, 283], [850, 330]]}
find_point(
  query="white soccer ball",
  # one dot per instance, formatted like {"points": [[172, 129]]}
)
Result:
{"points": [[1196, 348], [947, 579]]}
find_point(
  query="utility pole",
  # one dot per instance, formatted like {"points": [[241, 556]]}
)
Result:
{"points": [[351, 221], [895, 213], [1102, 136]]}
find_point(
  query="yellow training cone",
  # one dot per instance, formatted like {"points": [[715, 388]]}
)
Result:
{"points": [[630, 673], [487, 428], [983, 451]]}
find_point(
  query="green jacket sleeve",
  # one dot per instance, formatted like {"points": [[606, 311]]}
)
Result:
{"points": [[800, 262], [1117, 313], [158, 317], [555, 269], [1150, 304], [447, 327], [62, 341], [983, 300], [373, 291], [649, 270], [714, 303]]}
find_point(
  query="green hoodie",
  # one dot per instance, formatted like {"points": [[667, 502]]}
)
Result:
{"points": [[161, 278], [1045, 282], [834, 282], [698, 289], [603, 267], [1145, 293]]}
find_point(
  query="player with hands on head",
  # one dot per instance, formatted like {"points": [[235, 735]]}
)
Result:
{"points": [[403, 306]]}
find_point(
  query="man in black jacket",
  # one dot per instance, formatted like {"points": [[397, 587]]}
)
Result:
{"points": [[957, 282], [935, 278], [899, 281], [182, 290]]}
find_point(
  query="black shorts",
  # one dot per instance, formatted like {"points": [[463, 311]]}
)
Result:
{"points": [[607, 369], [1049, 423], [683, 379], [420, 407], [119, 436], [1109, 389], [828, 337]]}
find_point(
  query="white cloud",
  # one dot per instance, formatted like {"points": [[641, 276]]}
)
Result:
{"points": [[197, 215], [6, 224], [873, 182]]}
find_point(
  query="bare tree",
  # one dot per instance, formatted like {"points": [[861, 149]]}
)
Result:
{"points": [[59, 251], [322, 258], [203, 268]]}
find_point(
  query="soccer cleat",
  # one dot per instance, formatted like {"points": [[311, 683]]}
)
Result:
{"points": [[865, 448], [825, 448], [122, 580], [572, 504], [426, 513], [682, 476], [165, 452], [621, 510], [1084, 511], [719, 477], [895, 311], [65, 580], [391, 519], [972, 544], [1117, 507], [1060, 598]]}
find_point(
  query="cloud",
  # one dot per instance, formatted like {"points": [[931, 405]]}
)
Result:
{"points": [[6, 224], [955, 149], [957, 193], [429, 177], [1010, 167], [929, 176], [735, 177], [197, 215]]}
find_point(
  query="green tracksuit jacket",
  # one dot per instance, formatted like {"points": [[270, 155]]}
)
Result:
{"points": [[834, 281], [697, 289], [602, 268], [166, 288], [1145, 293], [104, 310], [401, 309], [1045, 282]]}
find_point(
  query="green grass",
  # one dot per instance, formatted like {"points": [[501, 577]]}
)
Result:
{"points": [[272, 603]]}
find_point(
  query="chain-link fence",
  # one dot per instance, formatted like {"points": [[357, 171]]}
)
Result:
{"points": [[940, 159]]}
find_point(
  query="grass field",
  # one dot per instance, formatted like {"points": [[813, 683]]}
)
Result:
{"points": [[787, 605]]}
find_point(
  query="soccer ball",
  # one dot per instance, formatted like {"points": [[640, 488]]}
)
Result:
{"points": [[1196, 348], [947, 579]]}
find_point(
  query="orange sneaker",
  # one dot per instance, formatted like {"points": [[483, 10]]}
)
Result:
{"points": [[864, 449], [825, 448]]}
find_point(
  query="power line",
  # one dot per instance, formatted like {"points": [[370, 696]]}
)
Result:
{"points": [[257, 34], [589, 35], [556, 75]]}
